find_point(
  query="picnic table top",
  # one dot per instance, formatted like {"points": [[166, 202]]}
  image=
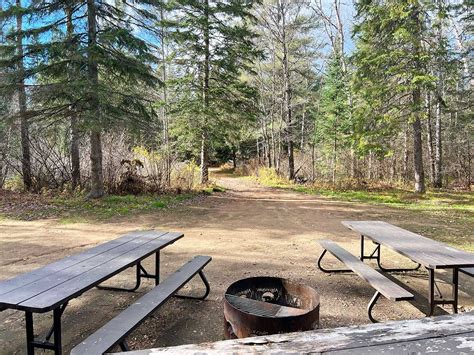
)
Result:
{"points": [[48, 287], [442, 335], [428, 252]]}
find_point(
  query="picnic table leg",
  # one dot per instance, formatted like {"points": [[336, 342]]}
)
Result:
{"points": [[431, 295], [32, 343], [57, 330], [328, 271], [374, 255], [30, 335], [455, 289], [206, 293], [138, 274], [157, 268], [371, 305], [51, 331]]}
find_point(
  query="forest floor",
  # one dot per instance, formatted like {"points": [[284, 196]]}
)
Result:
{"points": [[248, 229]]}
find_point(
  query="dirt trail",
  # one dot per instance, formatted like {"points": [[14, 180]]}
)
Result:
{"points": [[248, 230]]}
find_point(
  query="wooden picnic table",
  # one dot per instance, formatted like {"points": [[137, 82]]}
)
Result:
{"points": [[51, 287], [424, 251]]}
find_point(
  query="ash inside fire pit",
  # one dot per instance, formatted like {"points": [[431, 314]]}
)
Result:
{"points": [[269, 305]]}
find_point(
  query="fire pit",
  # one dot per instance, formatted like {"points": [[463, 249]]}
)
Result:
{"points": [[269, 305]]}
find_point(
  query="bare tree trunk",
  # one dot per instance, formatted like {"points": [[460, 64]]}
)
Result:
{"points": [[234, 158], [204, 159], [393, 168], [334, 153], [97, 177], [313, 161], [353, 163], [302, 128], [266, 140], [24, 122], [75, 156], [370, 167], [418, 147], [280, 128], [417, 103], [164, 113], [405, 154], [287, 95], [272, 116], [269, 154], [469, 162], [438, 176], [74, 144], [204, 135], [274, 150], [258, 151], [429, 136]]}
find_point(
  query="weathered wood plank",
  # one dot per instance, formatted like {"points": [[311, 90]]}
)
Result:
{"points": [[124, 323], [72, 288], [45, 271], [53, 280], [451, 344], [428, 252], [385, 286], [458, 329]]}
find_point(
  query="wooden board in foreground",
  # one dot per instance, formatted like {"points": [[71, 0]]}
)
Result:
{"points": [[453, 334]]}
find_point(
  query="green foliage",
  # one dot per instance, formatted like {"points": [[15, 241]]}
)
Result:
{"points": [[56, 61], [270, 177], [391, 63], [228, 103], [334, 121]]}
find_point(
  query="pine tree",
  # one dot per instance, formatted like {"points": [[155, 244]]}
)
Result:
{"points": [[214, 47], [392, 67], [334, 122], [91, 60]]}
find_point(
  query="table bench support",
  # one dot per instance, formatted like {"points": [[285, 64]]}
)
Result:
{"points": [[431, 293], [55, 330], [371, 305], [140, 273], [124, 346], [206, 293], [376, 255], [328, 271]]}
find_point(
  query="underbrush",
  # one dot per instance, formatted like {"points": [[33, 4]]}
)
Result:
{"points": [[378, 193]]}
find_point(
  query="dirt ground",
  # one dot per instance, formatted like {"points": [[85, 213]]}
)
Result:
{"points": [[248, 230]]}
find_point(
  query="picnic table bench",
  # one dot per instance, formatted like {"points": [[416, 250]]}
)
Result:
{"points": [[116, 330], [431, 254], [51, 287], [379, 282]]}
